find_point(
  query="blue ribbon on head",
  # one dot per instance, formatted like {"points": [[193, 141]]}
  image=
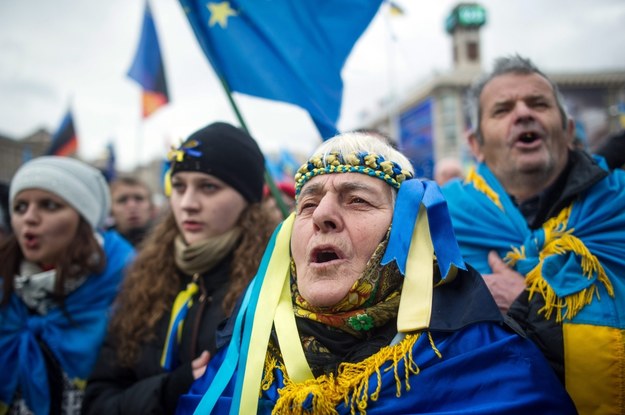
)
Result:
{"points": [[411, 195]]}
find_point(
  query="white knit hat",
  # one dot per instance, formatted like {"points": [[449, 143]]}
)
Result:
{"points": [[79, 184]]}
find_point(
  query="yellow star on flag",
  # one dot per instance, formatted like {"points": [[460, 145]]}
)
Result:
{"points": [[220, 13]]}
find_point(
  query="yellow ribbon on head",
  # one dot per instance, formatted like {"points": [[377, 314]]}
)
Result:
{"points": [[276, 276]]}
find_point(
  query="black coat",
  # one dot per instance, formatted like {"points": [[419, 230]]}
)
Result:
{"points": [[146, 388]]}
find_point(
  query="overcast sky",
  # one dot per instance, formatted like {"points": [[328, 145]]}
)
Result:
{"points": [[57, 53]]}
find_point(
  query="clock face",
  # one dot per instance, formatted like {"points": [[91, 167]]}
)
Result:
{"points": [[465, 15]]}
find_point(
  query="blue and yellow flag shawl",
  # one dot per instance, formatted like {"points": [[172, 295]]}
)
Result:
{"points": [[74, 343], [576, 262]]}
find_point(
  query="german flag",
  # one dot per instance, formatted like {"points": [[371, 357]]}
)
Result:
{"points": [[64, 141], [147, 68]]}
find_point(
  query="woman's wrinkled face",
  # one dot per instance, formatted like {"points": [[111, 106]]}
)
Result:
{"points": [[204, 206], [45, 225], [340, 220]]}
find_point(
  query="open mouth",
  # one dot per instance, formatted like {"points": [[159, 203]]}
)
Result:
{"points": [[321, 256], [528, 138], [30, 240]]}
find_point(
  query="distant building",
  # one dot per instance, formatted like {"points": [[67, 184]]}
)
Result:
{"points": [[433, 122], [15, 152]]}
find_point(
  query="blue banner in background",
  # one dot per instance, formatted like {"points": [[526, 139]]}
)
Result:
{"points": [[416, 138]]}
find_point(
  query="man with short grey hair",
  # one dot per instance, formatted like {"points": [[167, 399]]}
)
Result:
{"points": [[545, 225]]}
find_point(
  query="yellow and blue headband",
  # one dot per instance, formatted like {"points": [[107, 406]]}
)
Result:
{"points": [[371, 164]]}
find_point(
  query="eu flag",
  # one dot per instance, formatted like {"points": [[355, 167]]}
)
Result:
{"points": [[64, 140], [285, 50], [147, 68]]}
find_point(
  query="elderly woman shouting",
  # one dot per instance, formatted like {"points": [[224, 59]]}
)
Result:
{"points": [[362, 304]]}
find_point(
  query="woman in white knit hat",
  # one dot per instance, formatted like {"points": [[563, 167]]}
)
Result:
{"points": [[59, 276]]}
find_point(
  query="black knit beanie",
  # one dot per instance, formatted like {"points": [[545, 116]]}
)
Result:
{"points": [[227, 153]]}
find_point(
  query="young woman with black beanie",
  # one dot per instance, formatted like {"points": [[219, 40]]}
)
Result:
{"points": [[187, 276]]}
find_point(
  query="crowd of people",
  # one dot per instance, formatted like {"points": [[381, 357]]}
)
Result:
{"points": [[355, 288]]}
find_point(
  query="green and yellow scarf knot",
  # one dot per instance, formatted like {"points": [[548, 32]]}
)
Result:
{"points": [[550, 252], [349, 385]]}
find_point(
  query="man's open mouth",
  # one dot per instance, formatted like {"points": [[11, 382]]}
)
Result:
{"points": [[528, 137]]}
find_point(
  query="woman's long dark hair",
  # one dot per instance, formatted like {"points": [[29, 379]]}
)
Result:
{"points": [[152, 281]]}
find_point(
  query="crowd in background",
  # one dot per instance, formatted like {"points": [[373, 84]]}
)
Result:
{"points": [[112, 305]]}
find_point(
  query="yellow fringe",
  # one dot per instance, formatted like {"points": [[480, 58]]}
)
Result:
{"points": [[79, 383], [558, 241], [270, 363], [351, 383], [480, 184]]}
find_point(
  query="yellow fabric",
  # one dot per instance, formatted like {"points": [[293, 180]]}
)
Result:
{"points": [[480, 184], [558, 241], [277, 272], [183, 297], [594, 368], [415, 305], [351, 382], [290, 345]]}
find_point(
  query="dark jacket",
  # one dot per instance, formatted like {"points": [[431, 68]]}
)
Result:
{"points": [[581, 173], [613, 150], [146, 388]]}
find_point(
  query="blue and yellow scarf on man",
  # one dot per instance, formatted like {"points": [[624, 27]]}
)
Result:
{"points": [[576, 262], [73, 342]]}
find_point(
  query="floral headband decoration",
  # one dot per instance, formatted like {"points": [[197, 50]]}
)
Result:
{"points": [[370, 164]]}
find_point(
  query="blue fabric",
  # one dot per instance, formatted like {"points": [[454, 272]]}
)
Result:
{"points": [[74, 343], [171, 342], [411, 195], [597, 219], [483, 370], [286, 50], [147, 67]]}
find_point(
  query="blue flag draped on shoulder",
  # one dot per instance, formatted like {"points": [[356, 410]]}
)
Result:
{"points": [[64, 140], [147, 67], [285, 50]]}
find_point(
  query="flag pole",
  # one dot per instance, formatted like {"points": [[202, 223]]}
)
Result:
{"points": [[275, 192]]}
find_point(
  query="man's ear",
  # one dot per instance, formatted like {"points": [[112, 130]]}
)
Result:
{"points": [[570, 133], [475, 146]]}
